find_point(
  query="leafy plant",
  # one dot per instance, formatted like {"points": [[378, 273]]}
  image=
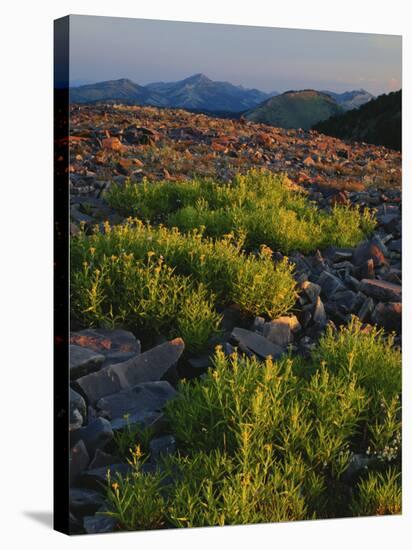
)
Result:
{"points": [[273, 441], [136, 501], [261, 205], [379, 494], [142, 295], [159, 280]]}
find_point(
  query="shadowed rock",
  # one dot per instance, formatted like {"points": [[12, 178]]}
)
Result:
{"points": [[388, 315], [381, 290], [78, 461], [116, 345], [95, 436], [150, 366], [149, 396], [83, 361], [256, 343]]}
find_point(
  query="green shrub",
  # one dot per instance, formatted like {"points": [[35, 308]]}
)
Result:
{"points": [[136, 502], [379, 494], [121, 290], [370, 354], [161, 280], [261, 205], [272, 441]]}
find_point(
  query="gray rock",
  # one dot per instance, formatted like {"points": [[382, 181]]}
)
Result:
{"points": [[200, 363], [99, 523], [388, 315], [101, 459], [161, 446], [116, 345], [373, 249], [351, 282], [78, 461], [147, 367], [258, 324], [76, 420], [381, 290], [330, 284], [366, 270], [83, 361], [280, 331], [148, 396], [396, 246], [96, 478], [345, 301], [77, 410], [85, 501], [312, 290], [387, 220], [357, 464], [366, 310], [319, 314], [95, 436], [256, 343]]}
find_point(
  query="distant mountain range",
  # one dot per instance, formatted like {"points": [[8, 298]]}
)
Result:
{"points": [[379, 121], [351, 100], [198, 93]]}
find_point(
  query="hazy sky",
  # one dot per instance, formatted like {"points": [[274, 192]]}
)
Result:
{"points": [[105, 48]]}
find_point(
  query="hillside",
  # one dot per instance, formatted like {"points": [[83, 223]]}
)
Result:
{"points": [[295, 109], [252, 261], [196, 92], [377, 122]]}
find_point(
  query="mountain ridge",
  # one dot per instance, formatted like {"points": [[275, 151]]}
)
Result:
{"points": [[194, 92], [199, 93]]}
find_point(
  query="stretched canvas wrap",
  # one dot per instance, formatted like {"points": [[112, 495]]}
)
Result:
{"points": [[228, 252]]}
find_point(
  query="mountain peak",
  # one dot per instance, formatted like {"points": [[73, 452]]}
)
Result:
{"points": [[197, 78]]}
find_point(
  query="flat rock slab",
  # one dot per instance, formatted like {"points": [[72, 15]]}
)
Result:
{"points": [[388, 315], [85, 501], [99, 524], [330, 284], [369, 250], [150, 366], [96, 478], [78, 461], [148, 396], [116, 345], [256, 343], [95, 436], [83, 361], [381, 290]]}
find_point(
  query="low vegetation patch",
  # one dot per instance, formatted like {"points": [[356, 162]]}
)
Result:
{"points": [[260, 205], [159, 280], [276, 441]]}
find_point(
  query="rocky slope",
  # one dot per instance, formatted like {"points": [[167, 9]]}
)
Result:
{"points": [[111, 376]]}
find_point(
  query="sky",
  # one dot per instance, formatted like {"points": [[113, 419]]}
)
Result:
{"points": [[270, 59]]}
